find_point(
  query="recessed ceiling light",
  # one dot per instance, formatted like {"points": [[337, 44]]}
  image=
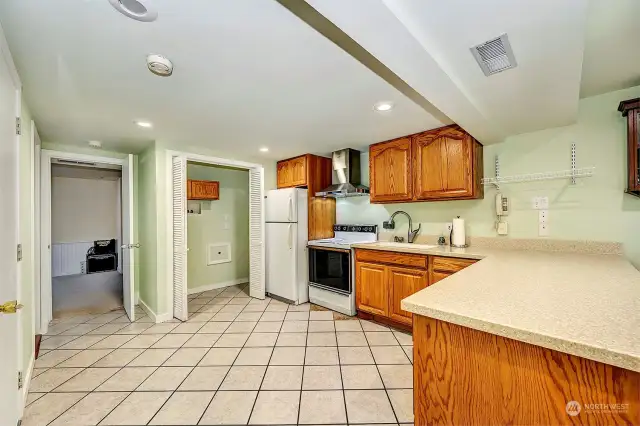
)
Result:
{"points": [[264, 149], [95, 144], [145, 124], [140, 10], [383, 106]]}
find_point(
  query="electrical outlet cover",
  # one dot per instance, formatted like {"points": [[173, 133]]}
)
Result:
{"points": [[448, 227], [543, 229], [544, 203], [543, 216]]}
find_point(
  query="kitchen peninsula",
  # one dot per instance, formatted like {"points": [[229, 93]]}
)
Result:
{"points": [[519, 335]]}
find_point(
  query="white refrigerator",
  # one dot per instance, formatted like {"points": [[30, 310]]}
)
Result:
{"points": [[286, 244]]}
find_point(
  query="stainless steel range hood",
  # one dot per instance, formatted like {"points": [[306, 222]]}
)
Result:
{"points": [[346, 179]]}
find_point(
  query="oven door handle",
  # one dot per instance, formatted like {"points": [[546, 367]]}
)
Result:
{"points": [[290, 237]]}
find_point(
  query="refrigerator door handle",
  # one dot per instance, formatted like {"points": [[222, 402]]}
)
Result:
{"points": [[290, 208], [289, 238]]}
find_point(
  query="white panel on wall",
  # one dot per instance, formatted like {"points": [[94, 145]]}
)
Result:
{"points": [[68, 258], [218, 253]]}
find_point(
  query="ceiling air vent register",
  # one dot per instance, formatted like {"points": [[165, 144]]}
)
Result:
{"points": [[140, 10], [495, 55]]}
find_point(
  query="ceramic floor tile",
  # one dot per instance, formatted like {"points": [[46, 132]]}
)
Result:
{"points": [[127, 379], [243, 378], [254, 308], [33, 397], [229, 408], [372, 326], [55, 357], [152, 358], [112, 342], [91, 409], [361, 377], [321, 326], [321, 339], [186, 357], [369, 406], [200, 317], [355, 355], [137, 409], [37, 372], [214, 327], [290, 326], [142, 341], [165, 379], [135, 328], [268, 327], [187, 328], [220, 356], [262, 339], [241, 327], [292, 339], [51, 379], [272, 316], [108, 329], [201, 341], [321, 316], [283, 378], [254, 356], [287, 356], [119, 358], [402, 402], [56, 341], [81, 329], [276, 408], [232, 309], [389, 355], [82, 342], [348, 325], [409, 351], [50, 406], [171, 341], [204, 379], [322, 407], [276, 307], [321, 377], [397, 376], [403, 338], [305, 307], [174, 413], [87, 380], [377, 338], [160, 328], [327, 355], [351, 338], [231, 340], [86, 358], [225, 316]]}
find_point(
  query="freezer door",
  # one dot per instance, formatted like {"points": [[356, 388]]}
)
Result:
{"points": [[281, 253], [282, 205]]}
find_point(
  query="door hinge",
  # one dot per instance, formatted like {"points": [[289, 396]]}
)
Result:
{"points": [[18, 126], [19, 252], [20, 380]]}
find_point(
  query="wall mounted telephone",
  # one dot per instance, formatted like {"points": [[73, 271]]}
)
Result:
{"points": [[502, 205]]}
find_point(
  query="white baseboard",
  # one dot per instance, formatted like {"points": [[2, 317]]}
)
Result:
{"points": [[164, 317], [27, 379], [214, 286], [157, 318]]}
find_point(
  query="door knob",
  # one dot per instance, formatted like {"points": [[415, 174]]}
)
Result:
{"points": [[10, 307]]}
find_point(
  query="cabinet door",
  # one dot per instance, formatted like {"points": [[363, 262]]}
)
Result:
{"points": [[403, 282], [438, 276], [205, 190], [285, 178], [298, 168], [372, 289], [443, 164], [390, 171]]}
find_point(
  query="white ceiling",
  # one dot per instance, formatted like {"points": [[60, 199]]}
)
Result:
{"points": [[247, 74], [612, 51], [250, 73]]}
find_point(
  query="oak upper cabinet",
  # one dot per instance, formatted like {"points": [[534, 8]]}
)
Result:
{"points": [[446, 163], [440, 164], [631, 110], [403, 282], [203, 190], [372, 288], [390, 177], [298, 168], [285, 177]]}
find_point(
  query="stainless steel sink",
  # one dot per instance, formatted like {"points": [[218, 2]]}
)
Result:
{"points": [[409, 245]]}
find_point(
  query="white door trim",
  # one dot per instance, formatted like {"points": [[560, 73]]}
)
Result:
{"points": [[216, 161], [47, 156]]}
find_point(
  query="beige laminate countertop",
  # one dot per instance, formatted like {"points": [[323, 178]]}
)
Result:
{"points": [[586, 305]]}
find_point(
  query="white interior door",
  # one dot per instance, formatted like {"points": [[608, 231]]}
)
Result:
{"points": [[256, 234], [128, 245], [179, 173], [9, 288]]}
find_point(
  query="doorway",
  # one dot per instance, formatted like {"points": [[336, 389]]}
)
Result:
{"points": [[87, 249]]}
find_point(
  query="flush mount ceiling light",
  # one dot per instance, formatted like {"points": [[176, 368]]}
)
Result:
{"points": [[140, 10], [160, 65], [145, 124], [264, 149], [95, 144], [383, 106]]}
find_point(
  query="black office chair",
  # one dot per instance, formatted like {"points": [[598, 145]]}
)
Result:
{"points": [[102, 256]]}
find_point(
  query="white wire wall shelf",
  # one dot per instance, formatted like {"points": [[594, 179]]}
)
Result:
{"points": [[573, 173]]}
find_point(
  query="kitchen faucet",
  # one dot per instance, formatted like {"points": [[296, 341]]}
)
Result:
{"points": [[390, 224]]}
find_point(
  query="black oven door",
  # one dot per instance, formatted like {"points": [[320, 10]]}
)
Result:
{"points": [[330, 269]]}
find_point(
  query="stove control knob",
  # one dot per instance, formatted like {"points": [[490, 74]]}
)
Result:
{"points": [[359, 228]]}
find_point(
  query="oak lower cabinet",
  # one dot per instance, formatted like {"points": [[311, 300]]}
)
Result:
{"points": [[441, 267], [383, 279]]}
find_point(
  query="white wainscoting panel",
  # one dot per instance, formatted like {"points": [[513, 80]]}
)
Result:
{"points": [[68, 258]]}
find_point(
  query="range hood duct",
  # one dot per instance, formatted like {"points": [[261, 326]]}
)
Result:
{"points": [[346, 176]]}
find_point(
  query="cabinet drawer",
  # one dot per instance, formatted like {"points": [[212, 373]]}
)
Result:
{"points": [[392, 258], [450, 264]]}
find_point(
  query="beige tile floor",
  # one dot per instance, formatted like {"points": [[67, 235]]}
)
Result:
{"points": [[236, 361]]}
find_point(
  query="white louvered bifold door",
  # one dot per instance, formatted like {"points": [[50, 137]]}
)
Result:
{"points": [[256, 233], [179, 172]]}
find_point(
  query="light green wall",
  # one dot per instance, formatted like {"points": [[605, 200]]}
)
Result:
{"points": [[26, 233], [594, 209], [208, 227]]}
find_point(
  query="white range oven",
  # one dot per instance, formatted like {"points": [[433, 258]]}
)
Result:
{"points": [[331, 276]]}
